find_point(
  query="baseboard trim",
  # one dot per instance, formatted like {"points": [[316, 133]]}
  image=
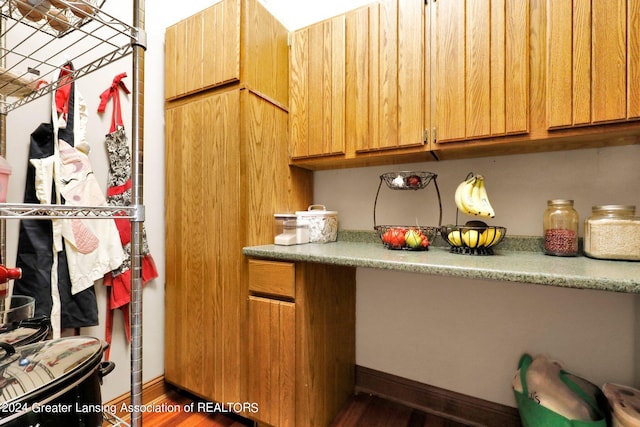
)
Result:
{"points": [[151, 390], [444, 403]]}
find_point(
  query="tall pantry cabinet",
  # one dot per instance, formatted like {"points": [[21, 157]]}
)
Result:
{"points": [[227, 172]]}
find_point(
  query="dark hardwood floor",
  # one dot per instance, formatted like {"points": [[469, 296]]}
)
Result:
{"points": [[365, 410], [362, 410]]}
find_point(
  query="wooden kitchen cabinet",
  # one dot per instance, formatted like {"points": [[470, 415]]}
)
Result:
{"points": [[476, 78], [227, 173], [593, 62], [203, 296], [480, 69], [271, 375], [396, 85], [302, 326], [356, 82], [211, 48], [203, 50], [317, 89], [415, 73]]}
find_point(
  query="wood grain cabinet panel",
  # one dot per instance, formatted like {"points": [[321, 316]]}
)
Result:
{"points": [[272, 278], [481, 55], [303, 350], [201, 341], [593, 63], [357, 81], [271, 370], [203, 50], [227, 173], [398, 70], [317, 89], [212, 140]]}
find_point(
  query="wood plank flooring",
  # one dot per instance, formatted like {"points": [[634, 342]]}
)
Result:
{"points": [[365, 410], [362, 410]]}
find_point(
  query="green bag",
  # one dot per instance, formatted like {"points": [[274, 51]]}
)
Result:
{"points": [[533, 414]]}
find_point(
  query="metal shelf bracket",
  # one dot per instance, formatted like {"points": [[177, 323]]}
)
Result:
{"points": [[139, 37]]}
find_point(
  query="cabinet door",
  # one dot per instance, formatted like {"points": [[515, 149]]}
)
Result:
{"points": [[271, 370], [317, 89], [204, 292], [203, 50], [593, 62], [481, 65], [396, 75]]}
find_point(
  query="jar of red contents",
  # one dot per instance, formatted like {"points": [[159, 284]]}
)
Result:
{"points": [[560, 228]]}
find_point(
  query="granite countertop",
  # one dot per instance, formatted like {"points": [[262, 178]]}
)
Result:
{"points": [[516, 260]]}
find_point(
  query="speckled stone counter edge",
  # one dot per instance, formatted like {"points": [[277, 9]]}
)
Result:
{"points": [[518, 259], [510, 243]]}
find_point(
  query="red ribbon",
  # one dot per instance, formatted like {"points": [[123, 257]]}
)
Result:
{"points": [[114, 92], [63, 92], [119, 189]]}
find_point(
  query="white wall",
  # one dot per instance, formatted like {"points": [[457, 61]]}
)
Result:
{"points": [[460, 334]]}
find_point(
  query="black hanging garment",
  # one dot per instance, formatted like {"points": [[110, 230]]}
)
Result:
{"points": [[40, 264], [91, 245]]}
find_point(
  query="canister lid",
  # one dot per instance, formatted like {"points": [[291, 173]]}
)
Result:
{"points": [[560, 202], [614, 209], [32, 367], [315, 211], [284, 216]]}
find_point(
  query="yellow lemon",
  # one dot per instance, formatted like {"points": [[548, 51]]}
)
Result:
{"points": [[473, 238], [454, 238], [491, 236]]}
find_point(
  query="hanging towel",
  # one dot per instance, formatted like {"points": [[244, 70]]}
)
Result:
{"points": [[45, 273], [118, 281]]}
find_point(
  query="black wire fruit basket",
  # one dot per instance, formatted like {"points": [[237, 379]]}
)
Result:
{"points": [[472, 239], [407, 237]]}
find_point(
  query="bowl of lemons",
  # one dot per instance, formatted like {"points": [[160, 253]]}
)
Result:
{"points": [[473, 238]]}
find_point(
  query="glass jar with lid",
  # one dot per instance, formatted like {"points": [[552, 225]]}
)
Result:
{"points": [[560, 228], [612, 232]]}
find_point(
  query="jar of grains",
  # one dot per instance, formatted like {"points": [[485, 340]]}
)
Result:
{"points": [[612, 232], [560, 228]]}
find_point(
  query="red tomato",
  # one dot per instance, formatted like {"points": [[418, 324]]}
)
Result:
{"points": [[397, 237]]}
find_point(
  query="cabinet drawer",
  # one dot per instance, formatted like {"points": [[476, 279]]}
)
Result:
{"points": [[273, 278]]}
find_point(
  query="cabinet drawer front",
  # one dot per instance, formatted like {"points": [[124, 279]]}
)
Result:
{"points": [[273, 278]]}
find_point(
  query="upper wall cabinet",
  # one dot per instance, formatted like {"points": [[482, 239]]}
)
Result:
{"points": [[480, 68], [593, 62], [203, 51], [396, 77], [317, 89], [446, 79], [382, 80], [356, 81]]}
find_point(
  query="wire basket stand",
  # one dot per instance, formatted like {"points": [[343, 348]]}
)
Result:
{"points": [[472, 238], [403, 181]]}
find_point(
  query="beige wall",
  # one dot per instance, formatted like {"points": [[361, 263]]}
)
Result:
{"points": [[467, 335]]}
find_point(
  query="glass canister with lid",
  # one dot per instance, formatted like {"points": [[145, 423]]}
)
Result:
{"points": [[560, 228], [612, 232]]}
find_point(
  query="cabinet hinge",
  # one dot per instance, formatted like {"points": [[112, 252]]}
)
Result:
{"points": [[425, 136], [435, 135], [289, 39]]}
